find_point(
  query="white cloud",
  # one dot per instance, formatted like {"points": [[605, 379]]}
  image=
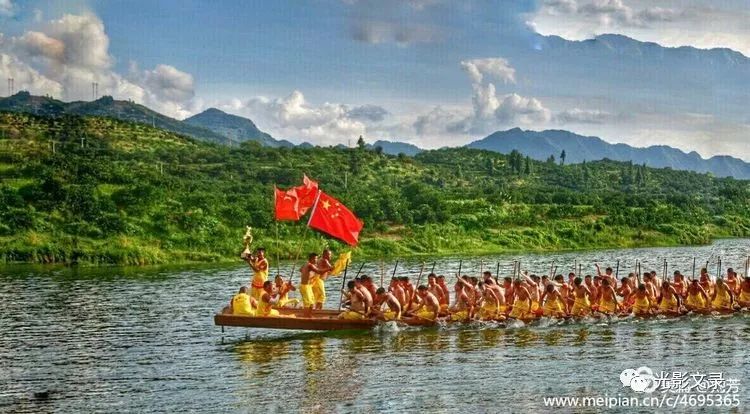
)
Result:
{"points": [[495, 67], [65, 56], [294, 118], [7, 9], [583, 116], [700, 23]]}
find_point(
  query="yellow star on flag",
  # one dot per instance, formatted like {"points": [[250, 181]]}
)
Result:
{"points": [[326, 204]]}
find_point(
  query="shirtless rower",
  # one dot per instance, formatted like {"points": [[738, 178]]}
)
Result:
{"points": [[408, 291], [650, 282], [582, 294], [382, 297], [606, 275], [607, 298], [318, 280], [369, 284], [360, 306], [445, 300], [398, 291], [554, 305], [642, 302], [359, 285], [305, 288], [697, 298], [434, 288], [522, 302], [705, 281], [723, 297], [732, 280], [489, 283], [565, 291], [744, 298], [678, 284], [670, 300], [463, 308], [589, 282], [429, 306], [490, 309], [508, 288], [625, 292]]}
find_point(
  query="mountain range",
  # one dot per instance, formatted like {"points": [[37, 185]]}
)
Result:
{"points": [[217, 126]]}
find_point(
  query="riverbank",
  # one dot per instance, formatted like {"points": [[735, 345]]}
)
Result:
{"points": [[446, 240]]}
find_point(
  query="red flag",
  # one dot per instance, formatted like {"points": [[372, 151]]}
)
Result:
{"points": [[332, 217], [287, 205], [306, 194]]}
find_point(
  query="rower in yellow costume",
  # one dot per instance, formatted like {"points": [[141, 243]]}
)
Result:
{"points": [[266, 302], [607, 297], [283, 288], [697, 299], [582, 303], [554, 306], [642, 302], [241, 303], [359, 306], [259, 264], [722, 299], [522, 305]]}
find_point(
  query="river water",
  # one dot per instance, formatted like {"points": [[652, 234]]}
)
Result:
{"points": [[143, 340]]}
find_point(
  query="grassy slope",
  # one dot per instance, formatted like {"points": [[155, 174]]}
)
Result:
{"points": [[137, 195]]}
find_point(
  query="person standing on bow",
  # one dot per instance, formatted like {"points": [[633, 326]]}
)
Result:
{"points": [[259, 264], [317, 282]]}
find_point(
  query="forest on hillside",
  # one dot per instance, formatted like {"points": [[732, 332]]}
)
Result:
{"points": [[102, 191]]}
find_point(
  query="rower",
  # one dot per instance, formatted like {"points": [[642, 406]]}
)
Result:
{"points": [[489, 283], [642, 301], [398, 291], [607, 298], [360, 306], [706, 282], [318, 280], [554, 303], [307, 271], [434, 288], [732, 281], [490, 309], [463, 308], [565, 291], [283, 288], [670, 301], [445, 299], [744, 299], [723, 297], [382, 297], [508, 288], [606, 275], [267, 301], [625, 291], [429, 306], [358, 283], [408, 291], [679, 284], [242, 303], [259, 264], [582, 294], [522, 303], [589, 282], [369, 284], [650, 282], [697, 298]]}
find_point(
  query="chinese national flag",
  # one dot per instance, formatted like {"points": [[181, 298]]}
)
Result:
{"points": [[306, 194], [333, 218], [287, 205]]}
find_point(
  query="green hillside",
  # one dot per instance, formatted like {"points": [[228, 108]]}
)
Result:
{"points": [[118, 192]]}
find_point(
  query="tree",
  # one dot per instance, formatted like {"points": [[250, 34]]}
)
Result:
{"points": [[527, 166], [551, 159], [361, 143], [562, 157]]}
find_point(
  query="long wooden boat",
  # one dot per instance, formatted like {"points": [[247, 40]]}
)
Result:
{"points": [[295, 319]]}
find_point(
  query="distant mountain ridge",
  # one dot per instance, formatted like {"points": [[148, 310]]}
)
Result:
{"points": [[235, 128], [396, 147], [539, 145]]}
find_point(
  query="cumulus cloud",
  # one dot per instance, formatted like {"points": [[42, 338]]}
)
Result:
{"points": [[65, 56], [293, 117], [7, 9], [583, 116], [495, 67]]}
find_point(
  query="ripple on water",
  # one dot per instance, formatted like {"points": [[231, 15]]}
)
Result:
{"points": [[142, 340]]}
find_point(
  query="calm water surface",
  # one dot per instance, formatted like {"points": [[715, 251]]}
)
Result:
{"points": [[143, 340]]}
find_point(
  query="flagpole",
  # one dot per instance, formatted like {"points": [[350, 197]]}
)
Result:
{"points": [[343, 281]]}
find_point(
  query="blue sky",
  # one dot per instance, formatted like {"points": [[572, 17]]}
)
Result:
{"points": [[431, 72]]}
